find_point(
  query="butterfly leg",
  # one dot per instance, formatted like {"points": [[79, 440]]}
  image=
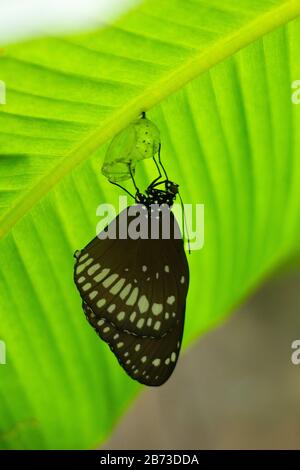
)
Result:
{"points": [[160, 162], [159, 173], [133, 180]]}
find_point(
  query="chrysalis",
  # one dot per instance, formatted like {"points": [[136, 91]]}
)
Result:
{"points": [[140, 140]]}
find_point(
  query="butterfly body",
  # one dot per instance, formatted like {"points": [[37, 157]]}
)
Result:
{"points": [[158, 196]]}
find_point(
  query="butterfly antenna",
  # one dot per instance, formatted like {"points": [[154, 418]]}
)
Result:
{"points": [[159, 172], [122, 187], [132, 177], [160, 162], [185, 226]]}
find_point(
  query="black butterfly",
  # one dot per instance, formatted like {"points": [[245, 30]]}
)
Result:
{"points": [[134, 288]]}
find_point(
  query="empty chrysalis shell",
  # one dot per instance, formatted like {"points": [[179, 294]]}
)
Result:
{"points": [[140, 140], [147, 139]]}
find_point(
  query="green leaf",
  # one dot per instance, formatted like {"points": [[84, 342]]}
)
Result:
{"points": [[221, 96]]}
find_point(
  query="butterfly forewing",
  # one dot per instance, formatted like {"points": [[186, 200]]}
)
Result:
{"points": [[134, 293]]}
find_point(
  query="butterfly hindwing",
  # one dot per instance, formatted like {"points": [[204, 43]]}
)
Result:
{"points": [[151, 361]]}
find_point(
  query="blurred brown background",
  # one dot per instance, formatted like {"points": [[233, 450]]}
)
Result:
{"points": [[235, 388]]}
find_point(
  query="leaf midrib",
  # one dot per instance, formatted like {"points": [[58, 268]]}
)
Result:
{"points": [[151, 96]]}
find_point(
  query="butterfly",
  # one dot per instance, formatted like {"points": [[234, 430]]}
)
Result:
{"points": [[133, 279]]}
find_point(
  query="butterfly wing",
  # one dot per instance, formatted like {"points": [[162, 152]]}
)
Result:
{"points": [[134, 293], [149, 360]]}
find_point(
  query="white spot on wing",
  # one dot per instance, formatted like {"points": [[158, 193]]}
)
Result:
{"points": [[132, 316], [84, 265], [140, 323], [118, 286], [101, 275], [93, 294], [121, 316], [156, 362], [157, 309], [125, 291], [87, 286], [93, 269], [173, 357], [133, 296], [143, 304], [171, 300], [83, 257], [108, 282]]}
